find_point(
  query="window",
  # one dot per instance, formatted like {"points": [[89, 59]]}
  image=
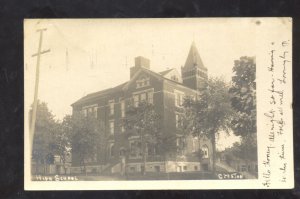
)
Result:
{"points": [[111, 127], [181, 100], [136, 100], [96, 112], [95, 157], [243, 168], [205, 151], [177, 142], [151, 149], [178, 98], [147, 82], [90, 111], [142, 82], [184, 168], [157, 168], [122, 108], [111, 149], [135, 148], [132, 169], [85, 112], [175, 78], [122, 152], [122, 128], [132, 149], [143, 97], [111, 107], [179, 120], [195, 168], [150, 97], [142, 168]]}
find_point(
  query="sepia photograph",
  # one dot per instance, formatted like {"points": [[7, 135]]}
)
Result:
{"points": [[152, 100]]}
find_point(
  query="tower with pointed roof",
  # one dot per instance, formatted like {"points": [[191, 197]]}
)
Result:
{"points": [[194, 73]]}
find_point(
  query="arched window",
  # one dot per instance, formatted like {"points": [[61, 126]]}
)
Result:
{"points": [[111, 150], [205, 151], [122, 151]]}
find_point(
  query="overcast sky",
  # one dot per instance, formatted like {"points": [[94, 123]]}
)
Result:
{"points": [[100, 52]]}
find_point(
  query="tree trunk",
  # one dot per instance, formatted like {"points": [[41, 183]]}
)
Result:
{"points": [[165, 159], [65, 168], [37, 167], [213, 141], [62, 159], [144, 157], [143, 147], [82, 164], [84, 168], [199, 151], [44, 166], [144, 162]]}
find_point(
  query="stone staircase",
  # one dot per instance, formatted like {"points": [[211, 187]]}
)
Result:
{"points": [[225, 167]]}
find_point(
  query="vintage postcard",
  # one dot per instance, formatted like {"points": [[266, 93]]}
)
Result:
{"points": [[133, 104]]}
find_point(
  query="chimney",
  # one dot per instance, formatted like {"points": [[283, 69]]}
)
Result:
{"points": [[139, 62]]}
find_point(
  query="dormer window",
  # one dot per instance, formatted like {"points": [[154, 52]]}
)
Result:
{"points": [[174, 78], [142, 82]]}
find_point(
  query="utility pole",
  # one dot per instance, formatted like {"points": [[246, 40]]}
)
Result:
{"points": [[37, 75]]}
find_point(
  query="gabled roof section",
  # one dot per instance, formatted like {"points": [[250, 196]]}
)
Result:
{"points": [[163, 73], [159, 76], [141, 69], [100, 94], [193, 59], [124, 86]]}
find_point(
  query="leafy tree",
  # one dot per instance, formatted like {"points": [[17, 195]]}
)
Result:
{"points": [[43, 141], [243, 101], [246, 149], [85, 137], [208, 114], [142, 120], [63, 141]]}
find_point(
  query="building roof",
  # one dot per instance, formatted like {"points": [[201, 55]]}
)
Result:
{"points": [[123, 86], [100, 93], [163, 73], [193, 59]]}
